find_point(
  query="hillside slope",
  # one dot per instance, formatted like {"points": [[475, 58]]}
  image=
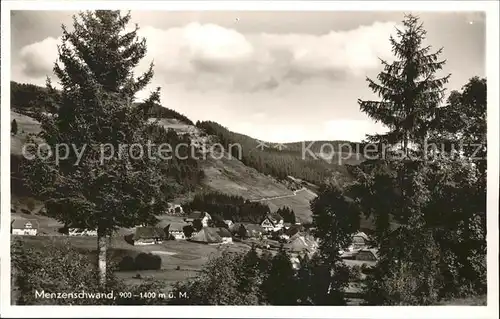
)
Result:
{"points": [[226, 174], [223, 172]]}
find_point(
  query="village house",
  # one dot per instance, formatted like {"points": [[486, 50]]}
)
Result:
{"points": [[204, 217], [225, 235], [175, 230], [24, 227], [148, 236], [207, 235], [272, 223], [359, 240], [367, 255]]}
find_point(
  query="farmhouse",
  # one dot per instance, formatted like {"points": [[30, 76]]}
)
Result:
{"points": [[367, 255], [24, 227], [302, 243], [204, 217], [175, 231], [207, 235], [292, 230], [148, 236], [225, 235], [272, 222], [359, 240]]}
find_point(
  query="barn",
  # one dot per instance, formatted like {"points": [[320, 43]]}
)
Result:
{"points": [[148, 236]]}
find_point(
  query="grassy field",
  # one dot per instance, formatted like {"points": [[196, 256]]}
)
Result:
{"points": [[26, 125], [180, 259], [299, 203]]}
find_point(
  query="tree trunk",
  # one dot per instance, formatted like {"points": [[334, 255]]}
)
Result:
{"points": [[101, 252], [405, 145]]}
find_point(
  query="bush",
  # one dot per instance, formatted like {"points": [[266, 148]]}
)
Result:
{"points": [[142, 261], [127, 264], [56, 268], [149, 261]]}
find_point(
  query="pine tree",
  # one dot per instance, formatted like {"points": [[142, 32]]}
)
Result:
{"points": [[280, 286], [95, 115], [409, 88]]}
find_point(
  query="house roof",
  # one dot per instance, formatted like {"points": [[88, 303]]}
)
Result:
{"points": [[176, 226], [195, 215], [148, 232], [21, 223], [302, 243], [207, 235], [293, 230], [253, 228], [273, 217], [362, 235], [223, 232], [374, 251]]}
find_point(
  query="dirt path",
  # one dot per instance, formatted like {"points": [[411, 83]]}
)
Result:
{"points": [[303, 189]]}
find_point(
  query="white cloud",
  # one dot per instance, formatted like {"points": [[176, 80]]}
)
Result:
{"points": [[209, 57], [38, 58]]}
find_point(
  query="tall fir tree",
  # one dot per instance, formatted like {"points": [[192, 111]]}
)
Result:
{"points": [[95, 118], [409, 90], [280, 286]]}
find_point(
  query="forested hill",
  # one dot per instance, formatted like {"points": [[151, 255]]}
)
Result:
{"points": [[282, 160], [29, 99], [277, 160]]}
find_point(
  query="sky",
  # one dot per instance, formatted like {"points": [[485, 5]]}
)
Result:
{"points": [[275, 76]]}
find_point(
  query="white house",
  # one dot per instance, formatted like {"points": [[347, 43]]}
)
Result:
{"points": [[148, 236], [24, 227], [204, 217], [175, 230], [272, 223]]}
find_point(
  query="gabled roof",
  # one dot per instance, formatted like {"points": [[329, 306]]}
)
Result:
{"points": [[273, 218], [207, 235], [293, 230], [175, 226], [302, 243], [223, 232], [362, 235], [253, 228], [196, 214], [374, 251], [21, 223], [148, 232]]}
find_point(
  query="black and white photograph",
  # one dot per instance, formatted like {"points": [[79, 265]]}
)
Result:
{"points": [[239, 157]]}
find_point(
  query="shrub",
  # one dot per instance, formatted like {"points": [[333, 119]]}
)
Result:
{"points": [[56, 268], [148, 261], [127, 264]]}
